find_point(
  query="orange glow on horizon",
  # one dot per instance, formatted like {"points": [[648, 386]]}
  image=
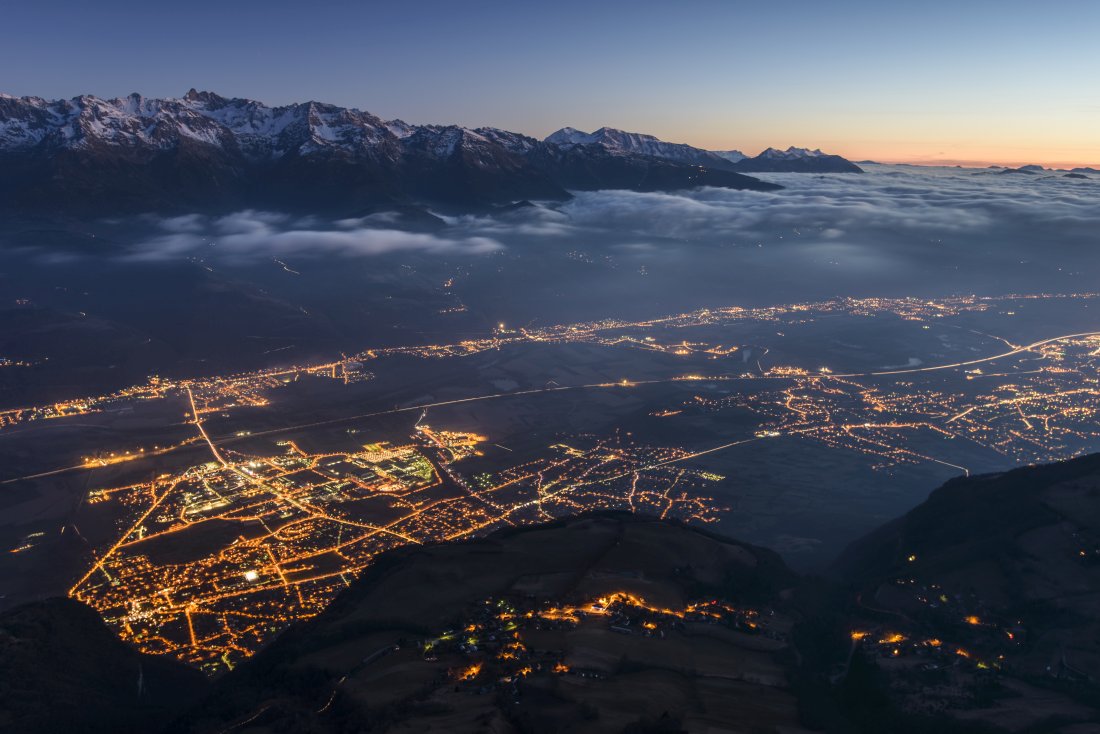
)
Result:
{"points": [[910, 146], [983, 162]]}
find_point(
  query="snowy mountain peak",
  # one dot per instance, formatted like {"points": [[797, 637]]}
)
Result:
{"points": [[510, 141], [206, 99], [400, 128], [609, 137], [621, 142], [610, 134], [570, 136], [733, 156], [87, 121], [791, 153]]}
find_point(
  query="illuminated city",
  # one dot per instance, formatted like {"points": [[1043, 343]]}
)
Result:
{"points": [[278, 536], [212, 558]]}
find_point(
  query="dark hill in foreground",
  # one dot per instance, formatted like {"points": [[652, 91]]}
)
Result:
{"points": [[994, 583], [63, 670], [518, 639]]}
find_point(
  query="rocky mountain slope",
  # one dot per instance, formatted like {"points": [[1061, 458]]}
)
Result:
{"points": [[625, 143], [772, 160]]}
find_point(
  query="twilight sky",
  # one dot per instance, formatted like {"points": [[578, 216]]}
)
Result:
{"points": [[972, 81]]}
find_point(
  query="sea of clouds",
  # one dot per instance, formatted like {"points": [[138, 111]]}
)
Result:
{"points": [[251, 233], [892, 217], [898, 204]]}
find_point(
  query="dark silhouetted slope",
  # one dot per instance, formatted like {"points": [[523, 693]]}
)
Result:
{"points": [[63, 670]]}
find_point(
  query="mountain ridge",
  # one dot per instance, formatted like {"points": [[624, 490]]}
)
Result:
{"points": [[88, 155], [770, 160]]}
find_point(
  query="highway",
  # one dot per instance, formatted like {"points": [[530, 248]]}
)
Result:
{"points": [[213, 442]]}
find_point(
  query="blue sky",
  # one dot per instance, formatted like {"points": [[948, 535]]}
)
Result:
{"points": [[961, 81]]}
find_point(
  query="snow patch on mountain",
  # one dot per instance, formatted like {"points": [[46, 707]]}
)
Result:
{"points": [[570, 136], [400, 128], [733, 156], [621, 142], [791, 153]]}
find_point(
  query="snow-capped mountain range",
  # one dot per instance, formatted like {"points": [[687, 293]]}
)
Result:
{"points": [[775, 160], [139, 153], [640, 144], [791, 153]]}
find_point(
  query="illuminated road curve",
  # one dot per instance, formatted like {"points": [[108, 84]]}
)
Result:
{"points": [[1017, 350]]}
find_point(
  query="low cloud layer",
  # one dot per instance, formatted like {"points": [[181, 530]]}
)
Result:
{"points": [[900, 202], [252, 233], [894, 229]]}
